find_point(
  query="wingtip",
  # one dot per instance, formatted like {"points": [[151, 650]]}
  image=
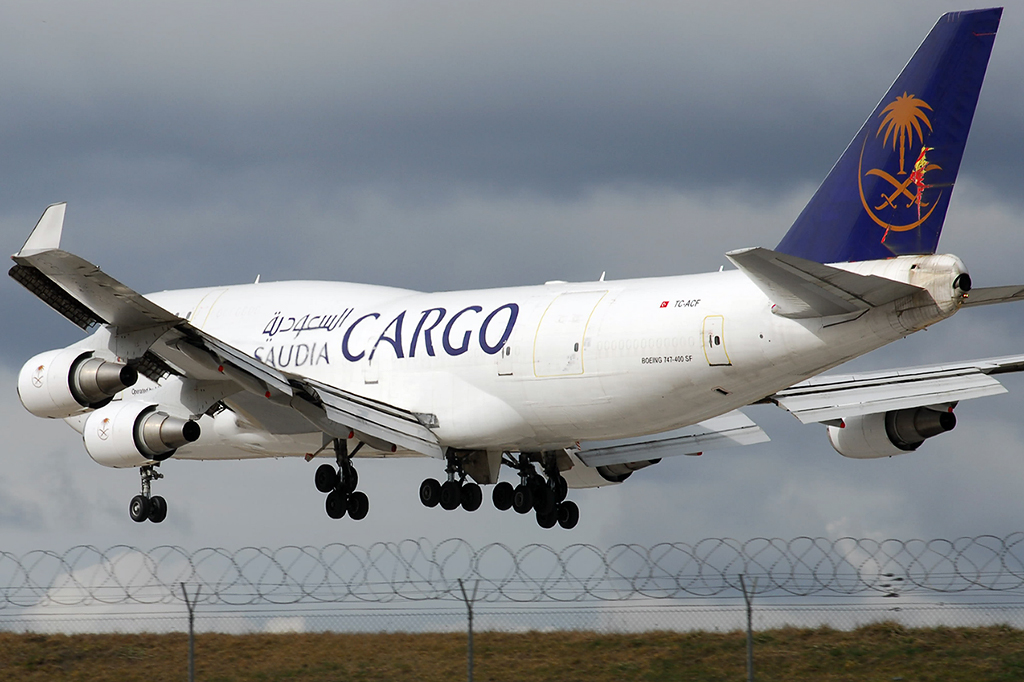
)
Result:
{"points": [[46, 234]]}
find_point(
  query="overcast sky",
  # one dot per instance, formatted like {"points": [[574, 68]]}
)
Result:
{"points": [[458, 145]]}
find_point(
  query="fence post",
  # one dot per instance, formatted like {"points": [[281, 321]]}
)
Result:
{"points": [[191, 630], [748, 597], [469, 612]]}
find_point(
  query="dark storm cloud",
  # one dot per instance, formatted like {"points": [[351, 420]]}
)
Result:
{"points": [[167, 103], [461, 145]]}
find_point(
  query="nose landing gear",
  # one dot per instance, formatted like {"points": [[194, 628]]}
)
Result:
{"points": [[146, 506]]}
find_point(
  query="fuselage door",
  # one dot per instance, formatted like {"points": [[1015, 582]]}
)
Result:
{"points": [[558, 346], [505, 360], [714, 341], [201, 314]]}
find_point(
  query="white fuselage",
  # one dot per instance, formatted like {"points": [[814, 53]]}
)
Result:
{"points": [[540, 367]]}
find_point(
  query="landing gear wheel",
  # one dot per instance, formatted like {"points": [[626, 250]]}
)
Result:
{"points": [[326, 478], [358, 506], [522, 499], [561, 489], [430, 492], [502, 496], [544, 500], [547, 520], [157, 509], [451, 495], [472, 496], [336, 504], [349, 479], [568, 515], [138, 508]]}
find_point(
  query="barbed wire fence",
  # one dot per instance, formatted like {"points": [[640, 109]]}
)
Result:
{"points": [[417, 585]]}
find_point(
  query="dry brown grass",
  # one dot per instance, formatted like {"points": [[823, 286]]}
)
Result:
{"points": [[876, 652]]}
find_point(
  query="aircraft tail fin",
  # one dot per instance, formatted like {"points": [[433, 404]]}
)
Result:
{"points": [[888, 193]]}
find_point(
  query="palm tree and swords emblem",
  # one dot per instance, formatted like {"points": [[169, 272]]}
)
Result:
{"points": [[902, 120]]}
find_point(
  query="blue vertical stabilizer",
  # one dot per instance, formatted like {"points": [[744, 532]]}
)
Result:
{"points": [[888, 193]]}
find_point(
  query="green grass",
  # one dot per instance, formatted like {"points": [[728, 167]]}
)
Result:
{"points": [[882, 651]]}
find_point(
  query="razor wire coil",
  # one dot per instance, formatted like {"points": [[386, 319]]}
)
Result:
{"points": [[421, 570]]}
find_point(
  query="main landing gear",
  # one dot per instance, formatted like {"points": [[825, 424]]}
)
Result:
{"points": [[454, 492], [340, 485], [544, 495], [146, 506]]}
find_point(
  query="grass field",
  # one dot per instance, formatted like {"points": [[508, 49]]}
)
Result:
{"points": [[876, 652]]}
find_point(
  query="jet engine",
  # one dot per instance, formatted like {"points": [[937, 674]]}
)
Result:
{"points": [[128, 434], [63, 383], [582, 476], [890, 433]]}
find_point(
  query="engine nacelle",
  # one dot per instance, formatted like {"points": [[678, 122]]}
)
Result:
{"points": [[582, 476], [63, 383], [129, 434], [890, 433]]}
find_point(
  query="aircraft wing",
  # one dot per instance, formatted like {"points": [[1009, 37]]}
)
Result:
{"points": [[332, 410], [157, 342], [833, 397], [727, 430]]}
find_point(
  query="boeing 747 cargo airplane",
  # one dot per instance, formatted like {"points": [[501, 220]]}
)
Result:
{"points": [[566, 385]]}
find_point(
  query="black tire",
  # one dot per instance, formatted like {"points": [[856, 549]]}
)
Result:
{"points": [[430, 492], [451, 495], [326, 478], [547, 520], [568, 515], [138, 508], [349, 479], [502, 496], [472, 496], [358, 506], [336, 504], [157, 509], [561, 489], [522, 499], [544, 501]]}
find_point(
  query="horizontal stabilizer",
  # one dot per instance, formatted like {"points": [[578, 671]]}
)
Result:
{"points": [[728, 430], [990, 295], [802, 288], [831, 397]]}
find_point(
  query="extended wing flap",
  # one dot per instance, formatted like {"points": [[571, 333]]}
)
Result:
{"points": [[727, 430], [801, 288], [831, 397], [232, 361], [330, 409], [377, 420]]}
